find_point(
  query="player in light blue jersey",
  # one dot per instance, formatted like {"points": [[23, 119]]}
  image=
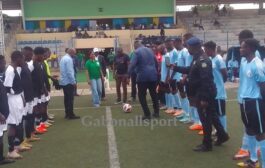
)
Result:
{"points": [[163, 84], [251, 96], [249, 143], [183, 56], [173, 78], [220, 77]]}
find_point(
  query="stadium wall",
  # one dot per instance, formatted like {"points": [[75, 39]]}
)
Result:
{"points": [[94, 9], [59, 41], [44, 14]]}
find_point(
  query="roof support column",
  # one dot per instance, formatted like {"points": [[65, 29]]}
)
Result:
{"points": [[174, 12], [261, 7], [2, 32]]}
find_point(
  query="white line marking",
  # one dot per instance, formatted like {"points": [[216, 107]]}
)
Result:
{"points": [[113, 151]]}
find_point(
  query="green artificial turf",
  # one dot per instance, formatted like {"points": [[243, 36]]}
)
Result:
{"points": [[70, 144]]}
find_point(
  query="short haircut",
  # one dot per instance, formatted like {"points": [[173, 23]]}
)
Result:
{"points": [[253, 44], [16, 55], [245, 34], [210, 45], [178, 39], [138, 42], [39, 51], [27, 48]]}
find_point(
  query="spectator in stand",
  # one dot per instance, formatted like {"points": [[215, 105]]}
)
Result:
{"points": [[216, 10], [216, 23], [162, 31], [54, 59], [200, 25], [195, 11], [111, 56], [224, 10], [80, 60], [85, 35]]}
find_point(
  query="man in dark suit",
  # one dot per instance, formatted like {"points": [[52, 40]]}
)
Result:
{"points": [[145, 64]]}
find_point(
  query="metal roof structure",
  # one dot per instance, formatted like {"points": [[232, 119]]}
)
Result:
{"points": [[15, 4], [11, 4]]}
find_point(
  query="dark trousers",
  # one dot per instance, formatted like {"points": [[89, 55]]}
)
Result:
{"points": [[134, 89], [68, 91], [142, 88], [1, 148], [161, 98], [209, 117], [29, 125], [121, 80]]}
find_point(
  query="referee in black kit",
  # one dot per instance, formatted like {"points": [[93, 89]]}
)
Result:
{"points": [[200, 85]]}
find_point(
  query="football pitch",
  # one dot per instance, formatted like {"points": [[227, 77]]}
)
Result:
{"points": [[91, 143]]}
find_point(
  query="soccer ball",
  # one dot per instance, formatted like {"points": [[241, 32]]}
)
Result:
{"points": [[127, 108]]}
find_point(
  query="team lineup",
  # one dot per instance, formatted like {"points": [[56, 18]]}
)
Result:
{"points": [[184, 77]]}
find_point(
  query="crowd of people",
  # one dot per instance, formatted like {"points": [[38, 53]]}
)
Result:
{"points": [[185, 78], [24, 92]]}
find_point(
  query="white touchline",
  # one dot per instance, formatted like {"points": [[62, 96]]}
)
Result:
{"points": [[113, 151]]}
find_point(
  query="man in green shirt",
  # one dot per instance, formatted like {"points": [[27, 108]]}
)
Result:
{"points": [[94, 77]]}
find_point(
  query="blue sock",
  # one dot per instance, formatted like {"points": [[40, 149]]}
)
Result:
{"points": [[252, 147], [177, 102], [196, 116], [223, 122], [245, 142], [262, 151], [185, 105]]}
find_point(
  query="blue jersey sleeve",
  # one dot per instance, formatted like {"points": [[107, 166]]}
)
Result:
{"points": [[259, 74], [221, 63], [181, 60]]}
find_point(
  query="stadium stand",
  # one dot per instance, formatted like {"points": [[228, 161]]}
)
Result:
{"points": [[226, 34]]}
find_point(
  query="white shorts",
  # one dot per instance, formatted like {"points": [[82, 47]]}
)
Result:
{"points": [[35, 101], [29, 108], [3, 128], [16, 108]]}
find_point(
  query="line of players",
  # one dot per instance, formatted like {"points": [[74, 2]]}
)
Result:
{"points": [[251, 93], [24, 96]]}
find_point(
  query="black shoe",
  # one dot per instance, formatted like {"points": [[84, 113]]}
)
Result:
{"points": [[202, 148], [74, 117], [146, 118], [221, 140], [249, 163], [66, 116], [156, 115], [6, 161]]}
